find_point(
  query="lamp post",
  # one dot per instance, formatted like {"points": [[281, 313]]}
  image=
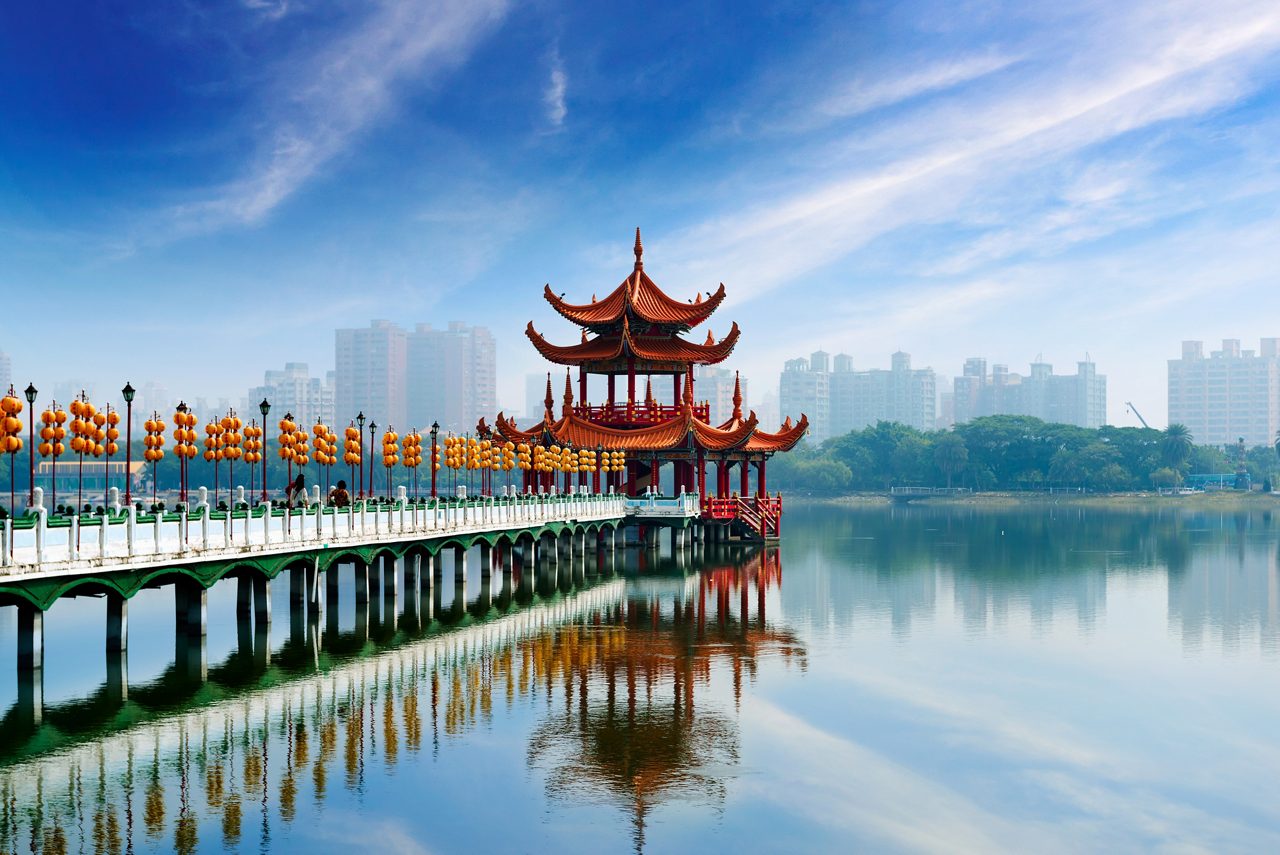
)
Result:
{"points": [[360, 483], [128, 392], [595, 469], [435, 456], [373, 427], [264, 408], [31, 393]]}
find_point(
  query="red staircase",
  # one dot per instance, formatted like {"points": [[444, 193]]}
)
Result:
{"points": [[752, 517]]}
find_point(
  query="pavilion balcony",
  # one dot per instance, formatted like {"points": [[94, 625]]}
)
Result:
{"points": [[640, 416]]}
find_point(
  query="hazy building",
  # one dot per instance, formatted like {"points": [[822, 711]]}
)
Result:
{"points": [[901, 394], [715, 386], [452, 377], [1232, 393], [6, 372], [1075, 399], [369, 374], [804, 387], [535, 395], [294, 390]]}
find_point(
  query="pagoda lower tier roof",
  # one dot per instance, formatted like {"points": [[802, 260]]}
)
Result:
{"points": [[639, 297], [784, 439], [614, 346], [679, 432]]}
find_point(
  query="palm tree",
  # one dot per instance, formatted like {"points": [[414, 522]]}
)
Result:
{"points": [[1176, 446], [950, 455]]}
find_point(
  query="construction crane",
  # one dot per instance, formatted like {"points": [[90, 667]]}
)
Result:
{"points": [[1130, 405]]}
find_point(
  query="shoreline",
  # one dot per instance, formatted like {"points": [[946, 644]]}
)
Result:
{"points": [[1224, 500]]}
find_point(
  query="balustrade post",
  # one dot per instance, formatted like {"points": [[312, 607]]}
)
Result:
{"points": [[156, 518], [73, 535], [102, 534], [266, 523]]}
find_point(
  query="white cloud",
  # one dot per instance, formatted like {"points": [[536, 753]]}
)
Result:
{"points": [[554, 93], [863, 95], [319, 103]]}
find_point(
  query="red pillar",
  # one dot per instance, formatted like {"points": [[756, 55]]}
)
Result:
{"points": [[582, 386], [612, 377], [702, 476], [631, 387], [745, 489], [761, 484]]}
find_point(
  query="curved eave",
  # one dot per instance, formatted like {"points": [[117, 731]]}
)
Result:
{"points": [[784, 440], [640, 296], [507, 430], [607, 347], [605, 311]]}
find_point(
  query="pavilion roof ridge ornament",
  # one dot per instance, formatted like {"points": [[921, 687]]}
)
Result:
{"points": [[639, 251], [549, 401], [737, 396], [567, 409]]}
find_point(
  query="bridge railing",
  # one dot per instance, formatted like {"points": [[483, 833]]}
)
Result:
{"points": [[42, 544], [653, 505], [929, 491]]}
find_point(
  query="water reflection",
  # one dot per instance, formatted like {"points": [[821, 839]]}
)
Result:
{"points": [[989, 565], [615, 671]]}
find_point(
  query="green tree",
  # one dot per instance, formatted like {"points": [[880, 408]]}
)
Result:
{"points": [[1176, 447], [950, 455]]}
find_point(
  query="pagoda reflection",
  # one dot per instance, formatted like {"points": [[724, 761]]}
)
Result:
{"points": [[625, 676]]}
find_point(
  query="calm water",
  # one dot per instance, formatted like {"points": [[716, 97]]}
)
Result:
{"points": [[892, 679]]}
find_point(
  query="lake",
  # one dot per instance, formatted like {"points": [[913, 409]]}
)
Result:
{"points": [[949, 678]]}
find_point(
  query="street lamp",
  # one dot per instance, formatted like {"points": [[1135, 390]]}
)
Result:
{"points": [[128, 392], [264, 408], [435, 456], [360, 483], [31, 393], [373, 427]]}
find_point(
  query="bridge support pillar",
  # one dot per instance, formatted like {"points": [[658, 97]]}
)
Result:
{"points": [[30, 638], [459, 564], [375, 594], [244, 598], [484, 602], [118, 675], [191, 608], [297, 587], [31, 696], [427, 587], [362, 582], [412, 595], [262, 603], [651, 538], [332, 590], [486, 560], [389, 576], [117, 623], [508, 560]]}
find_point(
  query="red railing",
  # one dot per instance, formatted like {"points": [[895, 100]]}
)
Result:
{"points": [[640, 415], [761, 514]]}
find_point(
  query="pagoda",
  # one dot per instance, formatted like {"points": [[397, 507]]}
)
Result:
{"points": [[636, 331]]}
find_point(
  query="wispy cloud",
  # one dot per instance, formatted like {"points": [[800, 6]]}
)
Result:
{"points": [[554, 93], [863, 95], [318, 104]]}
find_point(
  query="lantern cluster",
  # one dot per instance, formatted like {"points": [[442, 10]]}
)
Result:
{"points": [[412, 443], [293, 442], [88, 435], [524, 458], [486, 451], [252, 444], [232, 438], [10, 424], [184, 434], [153, 441], [390, 450], [455, 451], [325, 443], [541, 459], [507, 457], [52, 433], [351, 446], [615, 461], [586, 460]]}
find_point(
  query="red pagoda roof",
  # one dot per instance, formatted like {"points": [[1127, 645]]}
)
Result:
{"points": [[640, 297], [611, 346], [578, 432]]}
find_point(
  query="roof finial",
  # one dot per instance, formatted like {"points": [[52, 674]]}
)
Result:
{"points": [[549, 401], [648, 394], [737, 396], [688, 392], [639, 250], [568, 395]]}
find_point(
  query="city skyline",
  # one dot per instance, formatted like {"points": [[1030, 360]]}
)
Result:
{"points": [[980, 182]]}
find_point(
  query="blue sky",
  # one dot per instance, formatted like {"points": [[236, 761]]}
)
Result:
{"points": [[200, 191]]}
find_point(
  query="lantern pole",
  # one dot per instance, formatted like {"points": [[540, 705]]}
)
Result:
{"points": [[373, 443], [31, 393], [264, 408], [128, 392], [360, 483]]}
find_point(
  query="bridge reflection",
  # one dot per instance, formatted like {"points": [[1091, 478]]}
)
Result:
{"points": [[616, 666]]}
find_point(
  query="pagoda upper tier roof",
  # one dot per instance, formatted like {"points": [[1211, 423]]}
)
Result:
{"points": [[640, 298], [669, 435], [658, 348]]}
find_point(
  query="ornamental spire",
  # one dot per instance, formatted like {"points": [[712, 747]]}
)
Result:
{"points": [[648, 394], [737, 396], [567, 410], [639, 250], [688, 393], [549, 401]]}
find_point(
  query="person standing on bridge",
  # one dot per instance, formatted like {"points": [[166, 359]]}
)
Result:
{"points": [[296, 494]]}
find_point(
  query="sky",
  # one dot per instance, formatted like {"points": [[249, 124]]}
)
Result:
{"points": [[192, 192]]}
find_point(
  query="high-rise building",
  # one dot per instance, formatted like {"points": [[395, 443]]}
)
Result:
{"points": [[295, 391], [452, 377], [1075, 399], [369, 375], [715, 385], [806, 389], [1230, 394], [901, 394], [6, 372]]}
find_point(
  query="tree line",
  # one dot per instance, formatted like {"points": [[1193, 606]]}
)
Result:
{"points": [[1016, 453]]}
